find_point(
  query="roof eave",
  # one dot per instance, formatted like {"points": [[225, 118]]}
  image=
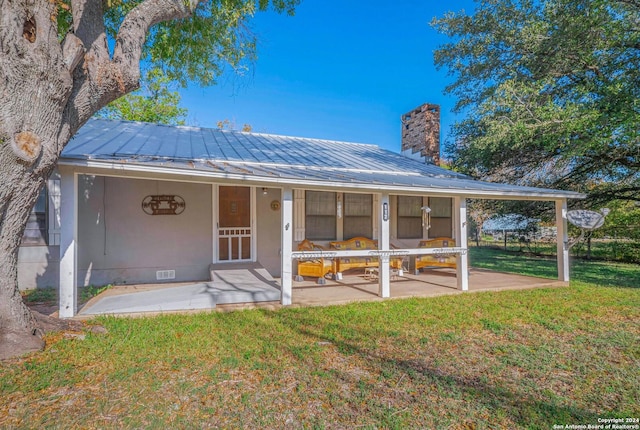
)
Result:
{"points": [[114, 168]]}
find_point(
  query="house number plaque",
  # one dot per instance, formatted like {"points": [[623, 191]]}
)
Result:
{"points": [[163, 205]]}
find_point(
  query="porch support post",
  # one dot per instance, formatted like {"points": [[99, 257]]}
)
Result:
{"points": [[383, 245], [68, 243], [562, 240], [286, 247], [462, 260]]}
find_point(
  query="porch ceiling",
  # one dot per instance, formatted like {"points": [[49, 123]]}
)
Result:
{"points": [[209, 154]]}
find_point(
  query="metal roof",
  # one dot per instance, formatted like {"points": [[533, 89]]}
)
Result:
{"points": [[266, 159]]}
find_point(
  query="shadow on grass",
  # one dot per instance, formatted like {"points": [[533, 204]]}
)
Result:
{"points": [[479, 396]]}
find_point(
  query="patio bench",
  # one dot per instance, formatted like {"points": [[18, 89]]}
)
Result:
{"points": [[359, 243], [436, 260], [315, 267]]}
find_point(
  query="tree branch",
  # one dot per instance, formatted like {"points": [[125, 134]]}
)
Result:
{"points": [[136, 25], [88, 26], [72, 51], [103, 78]]}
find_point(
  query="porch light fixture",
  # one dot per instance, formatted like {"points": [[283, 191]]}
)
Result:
{"points": [[264, 191]]}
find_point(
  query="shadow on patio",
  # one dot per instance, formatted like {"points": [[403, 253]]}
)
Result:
{"points": [[355, 287], [164, 298]]}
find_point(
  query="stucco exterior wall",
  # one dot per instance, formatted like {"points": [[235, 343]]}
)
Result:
{"points": [[268, 231], [119, 243]]}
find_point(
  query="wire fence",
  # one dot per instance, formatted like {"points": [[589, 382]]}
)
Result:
{"points": [[608, 248]]}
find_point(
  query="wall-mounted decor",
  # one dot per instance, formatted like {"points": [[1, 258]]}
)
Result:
{"points": [[163, 205], [275, 205]]}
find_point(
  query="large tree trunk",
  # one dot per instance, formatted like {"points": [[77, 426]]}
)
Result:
{"points": [[48, 89], [35, 87]]}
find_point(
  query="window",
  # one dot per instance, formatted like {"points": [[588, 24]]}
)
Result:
{"points": [[358, 209], [36, 231], [441, 222], [320, 215], [440, 207], [409, 217]]}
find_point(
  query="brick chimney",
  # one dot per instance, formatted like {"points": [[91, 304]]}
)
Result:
{"points": [[421, 133]]}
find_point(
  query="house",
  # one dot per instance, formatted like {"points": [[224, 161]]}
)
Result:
{"points": [[144, 203]]}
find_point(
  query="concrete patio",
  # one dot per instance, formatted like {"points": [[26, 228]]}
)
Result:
{"points": [[244, 292]]}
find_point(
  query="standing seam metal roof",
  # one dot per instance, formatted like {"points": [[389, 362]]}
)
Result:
{"points": [[215, 152]]}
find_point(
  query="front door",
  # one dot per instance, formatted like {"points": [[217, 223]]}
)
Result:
{"points": [[234, 224]]}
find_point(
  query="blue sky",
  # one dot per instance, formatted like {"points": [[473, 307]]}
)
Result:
{"points": [[341, 70]]}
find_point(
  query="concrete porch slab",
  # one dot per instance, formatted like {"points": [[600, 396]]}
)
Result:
{"points": [[230, 284], [357, 287], [235, 288]]}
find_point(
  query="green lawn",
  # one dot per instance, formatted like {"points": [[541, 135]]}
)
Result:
{"points": [[595, 271], [513, 359]]}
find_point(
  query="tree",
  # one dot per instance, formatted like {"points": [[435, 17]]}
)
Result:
{"points": [[480, 211], [156, 104], [63, 60], [225, 124], [550, 93]]}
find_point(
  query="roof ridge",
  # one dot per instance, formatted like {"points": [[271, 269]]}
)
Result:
{"points": [[251, 133]]}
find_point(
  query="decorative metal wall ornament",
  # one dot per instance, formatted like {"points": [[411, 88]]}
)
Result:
{"points": [[163, 205]]}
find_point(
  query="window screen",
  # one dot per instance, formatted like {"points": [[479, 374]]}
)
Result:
{"points": [[320, 215], [358, 209], [409, 217]]}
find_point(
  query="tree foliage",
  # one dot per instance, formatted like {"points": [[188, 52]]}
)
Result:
{"points": [[154, 103], [196, 48], [551, 93], [226, 124]]}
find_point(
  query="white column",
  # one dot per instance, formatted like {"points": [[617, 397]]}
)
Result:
{"points": [[214, 224], [383, 245], [562, 240], [462, 260], [68, 243], [286, 279]]}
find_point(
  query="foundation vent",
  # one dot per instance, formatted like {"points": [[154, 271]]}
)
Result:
{"points": [[163, 275]]}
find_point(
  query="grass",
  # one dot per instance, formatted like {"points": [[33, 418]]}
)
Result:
{"points": [[595, 271], [513, 359], [621, 250], [50, 295]]}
